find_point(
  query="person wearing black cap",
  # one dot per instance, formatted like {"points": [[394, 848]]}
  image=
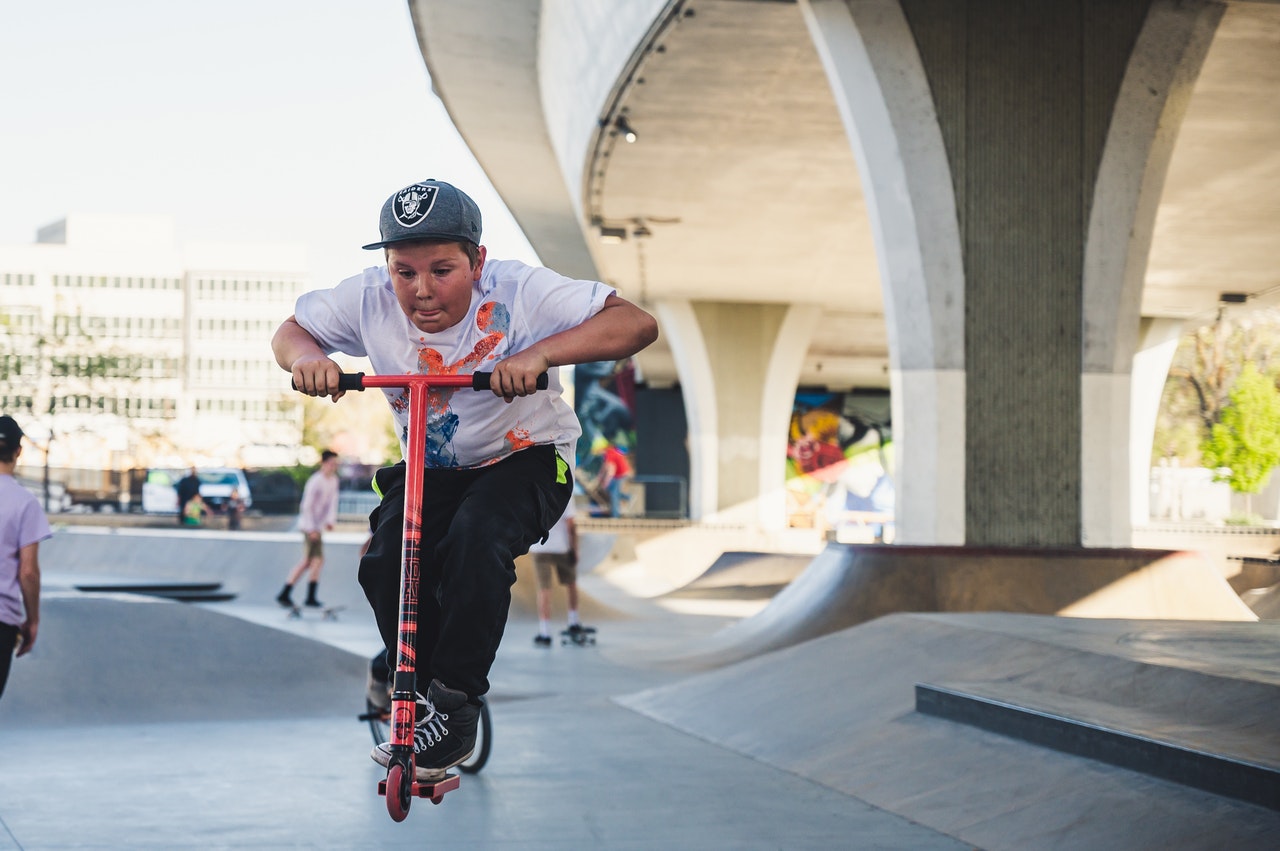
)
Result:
{"points": [[22, 527], [497, 476]]}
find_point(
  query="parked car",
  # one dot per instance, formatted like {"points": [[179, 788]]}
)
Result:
{"points": [[274, 491], [160, 494]]}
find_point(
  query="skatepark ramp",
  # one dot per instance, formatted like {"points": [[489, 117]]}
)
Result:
{"points": [[131, 659], [851, 584], [251, 566], [744, 575], [842, 711]]}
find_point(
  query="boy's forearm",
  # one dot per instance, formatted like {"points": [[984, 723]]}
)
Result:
{"points": [[618, 331], [292, 341], [29, 580]]}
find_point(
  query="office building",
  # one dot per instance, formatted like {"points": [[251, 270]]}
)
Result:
{"points": [[120, 348]]}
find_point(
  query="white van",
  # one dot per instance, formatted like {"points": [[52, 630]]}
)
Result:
{"points": [[160, 490]]}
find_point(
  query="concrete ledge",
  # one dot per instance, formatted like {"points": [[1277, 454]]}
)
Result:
{"points": [[1150, 741]]}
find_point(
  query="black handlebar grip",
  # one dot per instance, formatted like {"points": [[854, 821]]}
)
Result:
{"points": [[351, 381], [346, 381], [480, 381]]}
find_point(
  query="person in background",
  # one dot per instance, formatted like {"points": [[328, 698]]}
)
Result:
{"points": [[194, 511], [23, 526], [558, 554], [317, 514], [188, 486], [235, 509], [615, 472]]}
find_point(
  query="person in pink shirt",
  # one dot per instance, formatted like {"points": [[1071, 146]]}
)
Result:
{"points": [[22, 527], [318, 513]]}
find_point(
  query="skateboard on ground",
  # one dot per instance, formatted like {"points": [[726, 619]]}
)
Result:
{"points": [[581, 637], [401, 787], [329, 613]]}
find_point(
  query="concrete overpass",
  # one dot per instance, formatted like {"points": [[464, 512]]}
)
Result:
{"points": [[1004, 212]]}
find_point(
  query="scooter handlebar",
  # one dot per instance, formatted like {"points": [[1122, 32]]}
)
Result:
{"points": [[476, 381]]}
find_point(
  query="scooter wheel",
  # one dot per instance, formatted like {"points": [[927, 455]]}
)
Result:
{"points": [[398, 792]]}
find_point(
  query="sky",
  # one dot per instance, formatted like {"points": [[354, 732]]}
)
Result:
{"points": [[244, 120]]}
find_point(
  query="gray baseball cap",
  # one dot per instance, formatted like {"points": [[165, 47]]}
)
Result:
{"points": [[429, 209]]}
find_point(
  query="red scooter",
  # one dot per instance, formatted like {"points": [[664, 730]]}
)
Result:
{"points": [[401, 787]]}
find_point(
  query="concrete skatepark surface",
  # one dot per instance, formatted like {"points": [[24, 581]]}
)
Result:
{"points": [[141, 723]]}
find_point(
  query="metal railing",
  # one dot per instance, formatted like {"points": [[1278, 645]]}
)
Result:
{"points": [[679, 484]]}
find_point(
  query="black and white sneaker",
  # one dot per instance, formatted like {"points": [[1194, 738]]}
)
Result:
{"points": [[444, 736]]}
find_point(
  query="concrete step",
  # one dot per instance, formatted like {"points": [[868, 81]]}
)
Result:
{"points": [[1150, 739]]}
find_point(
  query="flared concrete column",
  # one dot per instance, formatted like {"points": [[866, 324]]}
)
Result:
{"points": [[740, 340], [884, 99], [683, 334], [1125, 360], [778, 394], [1157, 344], [738, 366], [1013, 154]]}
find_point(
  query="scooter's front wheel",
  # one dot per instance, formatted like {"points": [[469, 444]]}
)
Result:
{"points": [[399, 792]]}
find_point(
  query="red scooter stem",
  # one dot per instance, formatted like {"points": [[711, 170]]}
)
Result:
{"points": [[400, 785], [404, 705]]}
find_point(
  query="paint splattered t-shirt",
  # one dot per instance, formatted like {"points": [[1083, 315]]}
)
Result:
{"points": [[513, 305]]}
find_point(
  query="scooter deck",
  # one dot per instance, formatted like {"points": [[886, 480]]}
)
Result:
{"points": [[435, 791]]}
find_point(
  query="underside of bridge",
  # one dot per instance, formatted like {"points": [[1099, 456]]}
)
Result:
{"points": [[703, 154]]}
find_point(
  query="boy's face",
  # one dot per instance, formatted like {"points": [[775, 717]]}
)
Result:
{"points": [[433, 282]]}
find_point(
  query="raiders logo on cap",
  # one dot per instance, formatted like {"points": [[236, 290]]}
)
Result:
{"points": [[428, 209], [413, 203]]}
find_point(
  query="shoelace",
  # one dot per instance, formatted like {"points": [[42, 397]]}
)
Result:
{"points": [[431, 729]]}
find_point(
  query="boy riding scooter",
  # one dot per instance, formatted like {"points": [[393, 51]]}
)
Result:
{"points": [[497, 473]]}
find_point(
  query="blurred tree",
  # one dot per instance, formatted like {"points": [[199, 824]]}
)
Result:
{"points": [[1245, 442], [1203, 372]]}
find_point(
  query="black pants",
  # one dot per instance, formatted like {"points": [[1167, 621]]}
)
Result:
{"points": [[474, 525], [8, 641]]}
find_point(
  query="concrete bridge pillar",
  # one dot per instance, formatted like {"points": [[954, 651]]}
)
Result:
{"points": [[1013, 155], [1157, 344], [739, 364]]}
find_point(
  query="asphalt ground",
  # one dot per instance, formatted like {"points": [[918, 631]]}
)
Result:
{"points": [[140, 723]]}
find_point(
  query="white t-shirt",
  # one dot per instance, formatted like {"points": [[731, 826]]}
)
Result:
{"points": [[512, 307], [319, 507]]}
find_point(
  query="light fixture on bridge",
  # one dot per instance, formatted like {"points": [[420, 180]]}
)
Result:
{"points": [[1233, 298], [624, 127], [612, 236]]}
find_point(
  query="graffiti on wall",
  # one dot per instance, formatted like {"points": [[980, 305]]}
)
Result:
{"points": [[839, 450], [605, 401]]}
